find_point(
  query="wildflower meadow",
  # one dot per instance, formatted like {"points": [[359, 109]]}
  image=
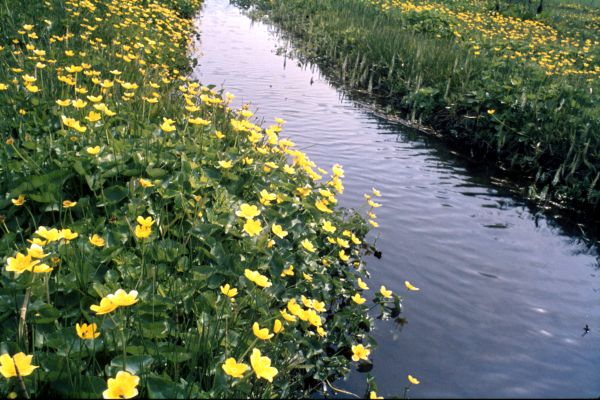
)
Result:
{"points": [[156, 241]]}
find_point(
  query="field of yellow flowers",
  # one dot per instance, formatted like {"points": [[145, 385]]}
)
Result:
{"points": [[501, 82], [156, 242]]}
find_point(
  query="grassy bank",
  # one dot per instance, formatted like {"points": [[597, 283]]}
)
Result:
{"points": [[156, 242], [511, 87]]}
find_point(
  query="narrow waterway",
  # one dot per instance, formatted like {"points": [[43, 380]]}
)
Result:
{"points": [[504, 295]]}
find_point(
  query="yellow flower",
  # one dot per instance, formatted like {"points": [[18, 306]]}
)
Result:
{"points": [[145, 183], [42, 269], [410, 286], [373, 204], [360, 352], [413, 380], [373, 395], [328, 227], [229, 291], [235, 369], [142, 232], [308, 277], [376, 192], [373, 223], [358, 299], [262, 366], [93, 116], [19, 201], [263, 333], [288, 271], [385, 293], [167, 125], [338, 170], [247, 211], [286, 316], [97, 240], [93, 150], [79, 103], [266, 198], [225, 164], [491, 111], [278, 231], [303, 191], [252, 227], [145, 222], [277, 326], [67, 234], [319, 306], [63, 103], [69, 203], [321, 206], [94, 99], [36, 251], [21, 362], [343, 255], [86, 331], [104, 307], [20, 263], [257, 278], [124, 386], [123, 299], [362, 285], [308, 245], [37, 241], [32, 88], [321, 331], [199, 121], [51, 235], [342, 243]]}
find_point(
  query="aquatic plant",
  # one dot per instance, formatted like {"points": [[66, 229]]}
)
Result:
{"points": [[157, 242]]}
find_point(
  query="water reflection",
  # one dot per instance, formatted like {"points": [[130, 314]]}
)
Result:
{"points": [[505, 293]]}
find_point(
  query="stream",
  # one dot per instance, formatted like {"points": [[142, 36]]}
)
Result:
{"points": [[504, 295]]}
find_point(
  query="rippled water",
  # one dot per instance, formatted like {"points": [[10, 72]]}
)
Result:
{"points": [[504, 295]]}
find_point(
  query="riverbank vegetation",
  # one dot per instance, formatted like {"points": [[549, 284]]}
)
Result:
{"points": [[155, 241], [511, 82]]}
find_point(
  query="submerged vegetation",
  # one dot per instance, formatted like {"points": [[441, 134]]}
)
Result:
{"points": [[157, 242], [507, 81]]}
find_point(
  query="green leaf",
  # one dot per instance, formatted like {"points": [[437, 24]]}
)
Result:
{"points": [[133, 364], [115, 194], [155, 172], [163, 388]]}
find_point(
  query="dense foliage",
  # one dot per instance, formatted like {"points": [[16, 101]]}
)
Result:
{"points": [[157, 242]]}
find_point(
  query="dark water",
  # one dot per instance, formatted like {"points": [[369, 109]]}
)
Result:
{"points": [[504, 294]]}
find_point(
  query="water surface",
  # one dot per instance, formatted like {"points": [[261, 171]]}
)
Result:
{"points": [[504, 294]]}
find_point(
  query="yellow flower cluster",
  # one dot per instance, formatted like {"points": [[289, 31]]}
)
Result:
{"points": [[89, 101], [33, 261], [261, 365], [510, 38]]}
